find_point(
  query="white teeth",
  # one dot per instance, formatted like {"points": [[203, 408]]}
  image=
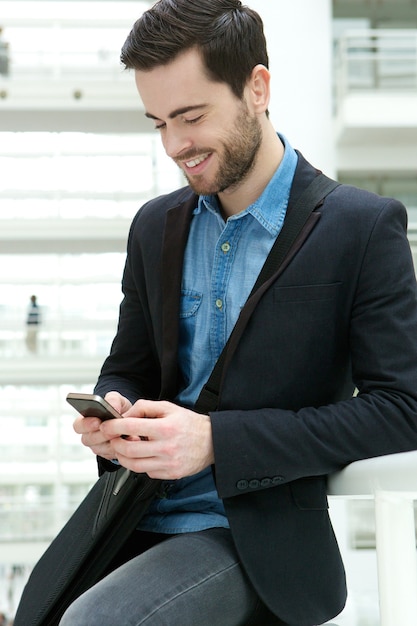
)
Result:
{"points": [[197, 161]]}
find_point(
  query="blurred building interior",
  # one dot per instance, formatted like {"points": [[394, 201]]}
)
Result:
{"points": [[77, 160]]}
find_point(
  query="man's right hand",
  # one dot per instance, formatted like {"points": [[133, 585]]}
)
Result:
{"points": [[89, 427]]}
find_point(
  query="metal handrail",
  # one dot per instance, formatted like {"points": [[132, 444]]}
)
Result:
{"points": [[375, 60]]}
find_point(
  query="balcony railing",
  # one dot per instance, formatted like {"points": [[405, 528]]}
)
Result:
{"points": [[375, 60], [22, 522], [67, 64]]}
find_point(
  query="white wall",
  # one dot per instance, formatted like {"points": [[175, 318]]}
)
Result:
{"points": [[299, 40]]}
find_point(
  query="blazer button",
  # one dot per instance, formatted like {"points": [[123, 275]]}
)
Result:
{"points": [[242, 485], [277, 480], [266, 482], [254, 483]]}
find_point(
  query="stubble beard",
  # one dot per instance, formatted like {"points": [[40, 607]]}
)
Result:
{"points": [[237, 158]]}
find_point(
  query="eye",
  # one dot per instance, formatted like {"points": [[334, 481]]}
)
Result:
{"points": [[193, 120], [160, 126]]}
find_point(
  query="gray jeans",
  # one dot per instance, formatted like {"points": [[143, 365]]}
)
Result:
{"points": [[192, 579]]}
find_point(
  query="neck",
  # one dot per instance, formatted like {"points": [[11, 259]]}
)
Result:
{"points": [[270, 154]]}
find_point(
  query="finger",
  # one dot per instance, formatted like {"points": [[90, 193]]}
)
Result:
{"points": [[134, 448], [150, 408], [142, 457], [132, 428], [84, 425], [104, 450], [154, 466], [118, 402]]}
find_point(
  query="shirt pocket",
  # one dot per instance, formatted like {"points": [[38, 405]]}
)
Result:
{"points": [[190, 304]]}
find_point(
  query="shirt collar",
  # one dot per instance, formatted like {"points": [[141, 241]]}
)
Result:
{"points": [[269, 209]]}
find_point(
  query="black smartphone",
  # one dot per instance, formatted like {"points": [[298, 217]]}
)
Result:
{"points": [[92, 405]]}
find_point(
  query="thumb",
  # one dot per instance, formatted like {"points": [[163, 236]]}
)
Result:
{"points": [[118, 402]]}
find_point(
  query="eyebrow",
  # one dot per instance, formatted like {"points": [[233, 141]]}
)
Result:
{"points": [[177, 112]]}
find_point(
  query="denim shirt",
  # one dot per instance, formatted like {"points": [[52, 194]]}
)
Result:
{"points": [[221, 264]]}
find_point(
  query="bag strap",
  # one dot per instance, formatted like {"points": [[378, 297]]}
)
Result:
{"points": [[294, 222]]}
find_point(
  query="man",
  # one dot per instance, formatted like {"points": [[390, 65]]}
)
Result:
{"points": [[241, 534], [33, 320]]}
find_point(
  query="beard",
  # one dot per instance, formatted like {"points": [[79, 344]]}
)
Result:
{"points": [[236, 158]]}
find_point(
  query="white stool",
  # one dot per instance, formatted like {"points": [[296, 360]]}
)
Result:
{"points": [[392, 481]]}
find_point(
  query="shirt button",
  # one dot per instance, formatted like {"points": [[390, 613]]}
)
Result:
{"points": [[219, 303], [226, 246]]}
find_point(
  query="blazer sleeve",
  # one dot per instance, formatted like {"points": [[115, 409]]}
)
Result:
{"points": [[261, 447], [132, 367]]}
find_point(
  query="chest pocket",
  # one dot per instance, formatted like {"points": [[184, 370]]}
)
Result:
{"points": [[190, 303], [189, 306]]}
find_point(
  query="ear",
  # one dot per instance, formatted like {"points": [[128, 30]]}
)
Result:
{"points": [[259, 88]]}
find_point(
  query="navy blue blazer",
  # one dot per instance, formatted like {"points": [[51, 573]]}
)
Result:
{"points": [[340, 316]]}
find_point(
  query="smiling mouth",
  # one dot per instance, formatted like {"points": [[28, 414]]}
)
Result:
{"points": [[197, 160]]}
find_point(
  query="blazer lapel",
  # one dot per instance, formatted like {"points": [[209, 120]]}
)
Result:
{"points": [[177, 226], [304, 175]]}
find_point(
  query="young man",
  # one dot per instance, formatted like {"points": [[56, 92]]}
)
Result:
{"points": [[241, 533]]}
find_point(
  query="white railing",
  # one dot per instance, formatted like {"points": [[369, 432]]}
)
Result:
{"points": [[20, 521], [63, 338], [375, 60], [391, 481], [96, 64]]}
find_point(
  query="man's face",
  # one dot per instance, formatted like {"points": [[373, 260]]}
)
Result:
{"points": [[205, 129]]}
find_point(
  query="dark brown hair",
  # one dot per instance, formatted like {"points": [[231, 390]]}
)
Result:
{"points": [[228, 34]]}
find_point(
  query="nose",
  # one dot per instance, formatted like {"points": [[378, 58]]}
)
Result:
{"points": [[176, 141]]}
